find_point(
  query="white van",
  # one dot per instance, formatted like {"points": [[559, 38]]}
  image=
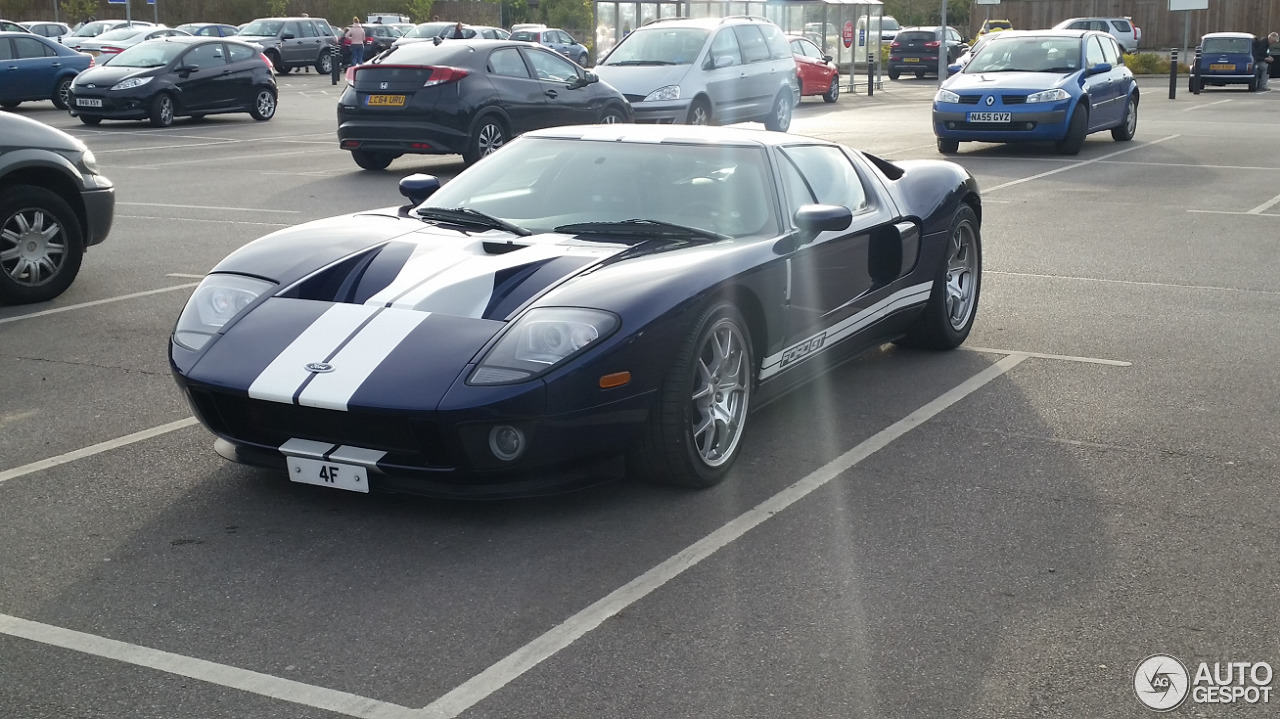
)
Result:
{"points": [[387, 18]]}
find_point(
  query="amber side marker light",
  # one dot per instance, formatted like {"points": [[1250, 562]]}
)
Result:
{"points": [[617, 379]]}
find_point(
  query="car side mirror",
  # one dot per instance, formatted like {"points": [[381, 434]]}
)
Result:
{"points": [[1100, 68], [816, 219], [720, 61], [188, 69], [587, 78], [953, 68], [287, 36], [418, 187], [826, 58]]}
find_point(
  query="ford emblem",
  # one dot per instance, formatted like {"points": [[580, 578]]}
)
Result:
{"points": [[319, 367], [991, 99]]}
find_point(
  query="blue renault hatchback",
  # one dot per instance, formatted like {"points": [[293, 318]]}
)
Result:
{"points": [[1038, 86], [1226, 58]]}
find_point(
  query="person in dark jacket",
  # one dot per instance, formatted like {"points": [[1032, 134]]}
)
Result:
{"points": [[1262, 59]]}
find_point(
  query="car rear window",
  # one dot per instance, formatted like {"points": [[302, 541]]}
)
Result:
{"points": [[525, 36], [1228, 44], [1121, 26], [917, 36]]}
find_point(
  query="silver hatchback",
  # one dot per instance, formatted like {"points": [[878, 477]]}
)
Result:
{"points": [[706, 71]]}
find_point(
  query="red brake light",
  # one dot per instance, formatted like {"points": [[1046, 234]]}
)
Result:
{"points": [[91, 62], [932, 44], [351, 75], [266, 60], [106, 50], [445, 75], [895, 44]]}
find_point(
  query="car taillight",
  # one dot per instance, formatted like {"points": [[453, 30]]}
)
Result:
{"points": [[91, 63], [895, 45], [263, 57], [351, 75], [445, 75], [106, 50], [932, 44]]}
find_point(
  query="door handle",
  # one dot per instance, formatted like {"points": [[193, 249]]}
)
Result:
{"points": [[551, 94]]}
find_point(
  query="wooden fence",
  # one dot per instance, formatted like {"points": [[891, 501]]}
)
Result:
{"points": [[1161, 29]]}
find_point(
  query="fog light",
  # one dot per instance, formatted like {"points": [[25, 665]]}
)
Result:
{"points": [[951, 126], [506, 442]]}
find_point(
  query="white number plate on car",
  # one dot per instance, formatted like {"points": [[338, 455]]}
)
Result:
{"points": [[990, 117], [88, 102], [328, 474]]}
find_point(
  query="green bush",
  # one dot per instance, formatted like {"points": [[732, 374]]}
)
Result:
{"points": [[1150, 63]]}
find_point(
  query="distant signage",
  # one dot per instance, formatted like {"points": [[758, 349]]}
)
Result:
{"points": [[986, 2], [1175, 5], [848, 33]]}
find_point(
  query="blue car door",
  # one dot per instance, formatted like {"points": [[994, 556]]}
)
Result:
{"points": [[1102, 87], [31, 67]]}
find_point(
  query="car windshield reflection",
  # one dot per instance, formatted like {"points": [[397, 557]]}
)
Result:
{"points": [[672, 46], [1057, 55], [151, 54]]}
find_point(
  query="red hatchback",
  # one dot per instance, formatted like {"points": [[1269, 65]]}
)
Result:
{"points": [[818, 75]]}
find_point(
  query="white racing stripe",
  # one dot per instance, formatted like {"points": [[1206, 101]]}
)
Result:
{"points": [[466, 288], [915, 294], [426, 261], [286, 373], [359, 358]]}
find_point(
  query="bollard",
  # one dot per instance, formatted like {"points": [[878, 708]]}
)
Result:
{"points": [[335, 64], [1195, 74], [1173, 73], [871, 77]]}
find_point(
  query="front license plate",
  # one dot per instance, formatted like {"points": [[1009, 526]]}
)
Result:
{"points": [[1222, 67], [88, 102], [384, 100], [328, 474], [911, 59], [990, 117]]}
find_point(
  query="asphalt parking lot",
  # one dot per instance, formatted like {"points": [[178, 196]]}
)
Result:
{"points": [[1002, 531]]}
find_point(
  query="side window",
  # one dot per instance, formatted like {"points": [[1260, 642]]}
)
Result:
{"points": [[1111, 51], [1079, 25], [30, 47], [724, 50], [307, 29], [550, 66], [325, 30], [240, 53], [1121, 25], [6, 49], [205, 56], [752, 42], [1093, 52], [507, 61], [776, 41], [291, 28], [828, 175]]}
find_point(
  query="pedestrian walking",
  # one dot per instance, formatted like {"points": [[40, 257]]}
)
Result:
{"points": [[1262, 58], [355, 35]]}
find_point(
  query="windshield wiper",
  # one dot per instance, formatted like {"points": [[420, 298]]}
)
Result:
{"points": [[640, 227], [625, 63], [468, 216]]}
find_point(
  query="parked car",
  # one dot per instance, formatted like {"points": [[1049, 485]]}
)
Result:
{"points": [[293, 42], [705, 71], [915, 50], [209, 29], [97, 27], [990, 26], [52, 30], [1039, 86], [886, 27], [113, 42], [1122, 29], [467, 97], [818, 75], [54, 205], [555, 39], [10, 26], [1226, 58], [37, 68], [585, 294], [159, 80], [376, 39], [424, 31]]}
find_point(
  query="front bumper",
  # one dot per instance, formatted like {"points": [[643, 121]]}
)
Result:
{"points": [[950, 122], [667, 112], [99, 211]]}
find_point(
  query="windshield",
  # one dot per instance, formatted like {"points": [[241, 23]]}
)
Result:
{"points": [[123, 33], [92, 29], [543, 183], [429, 29], [1228, 44], [262, 27], [659, 46], [1028, 54], [149, 54]]}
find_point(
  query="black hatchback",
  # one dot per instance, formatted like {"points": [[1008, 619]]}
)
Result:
{"points": [[467, 97], [915, 50], [161, 79]]}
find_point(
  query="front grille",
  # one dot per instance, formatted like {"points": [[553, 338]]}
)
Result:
{"points": [[635, 98], [270, 424], [970, 99], [1013, 99]]}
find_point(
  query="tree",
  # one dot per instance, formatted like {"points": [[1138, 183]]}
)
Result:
{"points": [[571, 14], [420, 10], [73, 11]]}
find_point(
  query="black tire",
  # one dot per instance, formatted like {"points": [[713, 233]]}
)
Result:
{"points": [[162, 110], [1124, 132], [953, 302], [487, 137], [324, 63], [779, 117], [893, 73], [1076, 130], [90, 120], [694, 432], [612, 115], [582, 59], [264, 104], [920, 74], [948, 147], [699, 113], [833, 92], [278, 63], [49, 244], [61, 93], [1253, 85], [370, 160]]}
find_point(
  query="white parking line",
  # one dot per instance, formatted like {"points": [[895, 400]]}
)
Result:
{"points": [[522, 660], [98, 448], [1138, 283], [1265, 206], [1207, 104], [209, 207], [1042, 355], [94, 303], [1075, 165]]}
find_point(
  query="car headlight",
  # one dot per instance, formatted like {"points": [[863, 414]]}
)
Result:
{"points": [[90, 162], [540, 340], [216, 302], [1053, 95], [670, 92], [131, 83], [946, 96]]}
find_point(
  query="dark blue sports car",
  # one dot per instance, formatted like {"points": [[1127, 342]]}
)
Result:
{"points": [[584, 296]]}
